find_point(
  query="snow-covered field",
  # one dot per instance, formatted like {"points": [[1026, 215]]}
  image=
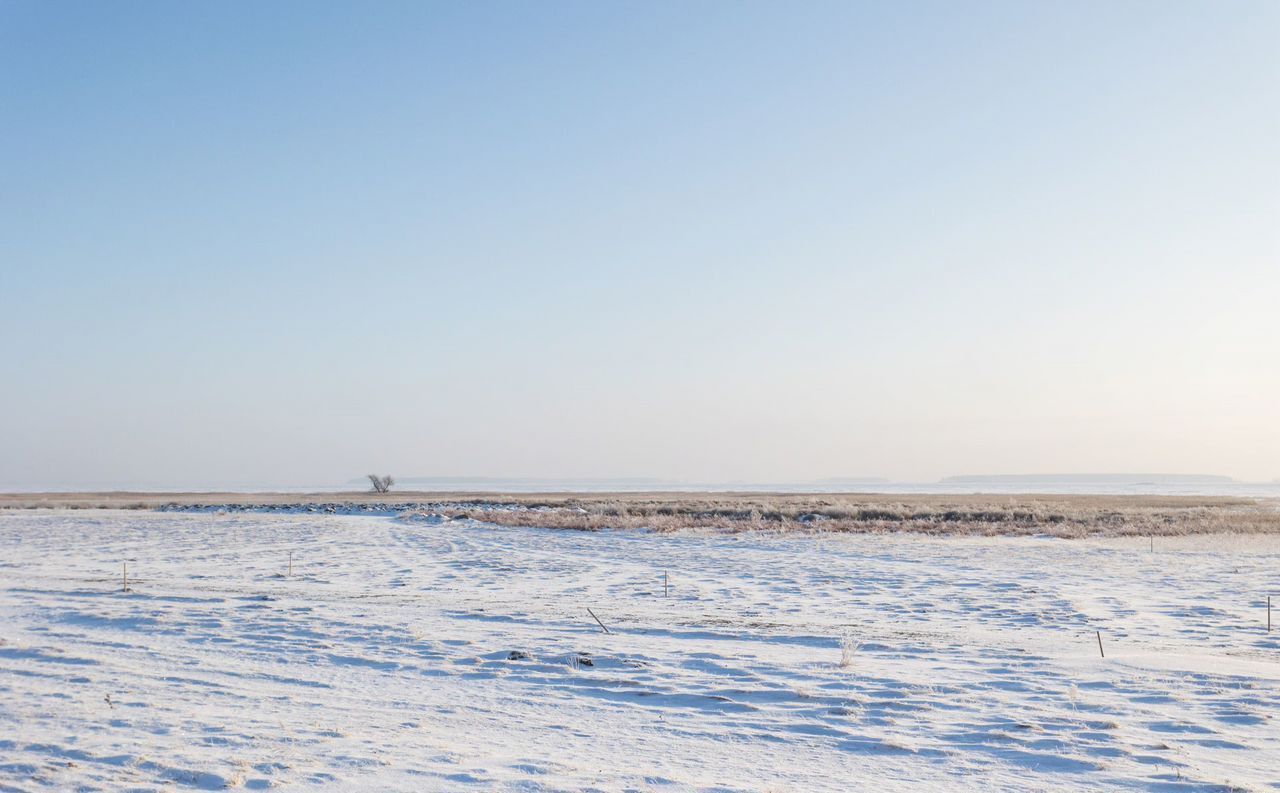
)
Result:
{"points": [[461, 656]]}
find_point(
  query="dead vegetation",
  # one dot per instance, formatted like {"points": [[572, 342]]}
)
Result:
{"points": [[1061, 516], [1031, 514]]}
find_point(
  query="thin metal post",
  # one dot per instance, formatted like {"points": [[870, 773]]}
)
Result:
{"points": [[597, 619]]}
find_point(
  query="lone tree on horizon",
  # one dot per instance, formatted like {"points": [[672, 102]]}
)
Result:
{"points": [[381, 484]]}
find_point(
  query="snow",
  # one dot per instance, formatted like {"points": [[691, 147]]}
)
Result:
{"points": [[412, 656]]}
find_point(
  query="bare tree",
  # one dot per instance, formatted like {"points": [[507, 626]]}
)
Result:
{"points": [[381, 484]]}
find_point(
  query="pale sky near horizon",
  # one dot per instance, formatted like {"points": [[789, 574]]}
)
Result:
{"points": [[288, 243]]}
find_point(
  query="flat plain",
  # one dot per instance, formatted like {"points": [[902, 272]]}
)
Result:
{"points": [[438, 652]]}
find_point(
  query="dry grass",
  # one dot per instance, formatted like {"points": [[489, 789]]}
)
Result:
{"points": [[1062, 516], [848, 650], [1058, 515]]}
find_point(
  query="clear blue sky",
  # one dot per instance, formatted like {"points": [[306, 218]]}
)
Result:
{"points": [[286, 243]]}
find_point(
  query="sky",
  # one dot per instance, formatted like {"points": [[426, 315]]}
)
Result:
{"points": [[287, 243]]}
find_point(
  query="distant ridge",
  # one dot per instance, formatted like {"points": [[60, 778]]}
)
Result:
{"points": [[1110, 479]]}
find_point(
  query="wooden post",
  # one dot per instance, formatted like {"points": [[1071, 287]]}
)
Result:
{"points": [[667, 593], [1268, 614], [1153, 543], [290, 562], [124, 578], [597, 619], [1104, 655]]}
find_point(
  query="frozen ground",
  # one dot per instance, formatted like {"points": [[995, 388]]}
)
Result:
{"points": [[423, 657]]}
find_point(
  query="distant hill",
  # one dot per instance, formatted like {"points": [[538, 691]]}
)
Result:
{"points": [[1108, 479]]}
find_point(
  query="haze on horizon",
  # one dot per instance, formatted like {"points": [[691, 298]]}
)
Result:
{"points": [[289, 243]]}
